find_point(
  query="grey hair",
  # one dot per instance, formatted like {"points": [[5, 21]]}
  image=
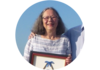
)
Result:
{"points": [[38, 27]]}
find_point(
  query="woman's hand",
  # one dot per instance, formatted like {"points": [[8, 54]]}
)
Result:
{"points": [[68, 60], [31, 35]]}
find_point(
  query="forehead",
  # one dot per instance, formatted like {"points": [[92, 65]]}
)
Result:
{"points": [[49, 12]]}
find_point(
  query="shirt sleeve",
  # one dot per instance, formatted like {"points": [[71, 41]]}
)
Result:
{"points": [[68, 41], [68, 51], [85, 34], [27, 50], [84, 38]]}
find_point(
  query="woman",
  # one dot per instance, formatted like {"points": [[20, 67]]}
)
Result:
{"points": [[49, 39]]}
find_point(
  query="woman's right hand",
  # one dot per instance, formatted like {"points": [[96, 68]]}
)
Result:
{"points": [[31, 35], [68, 59]]}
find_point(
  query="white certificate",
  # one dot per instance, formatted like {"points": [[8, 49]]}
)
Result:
{"points": [[47, 61]]}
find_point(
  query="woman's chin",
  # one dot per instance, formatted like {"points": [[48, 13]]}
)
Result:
{"points": [[50, 29]]}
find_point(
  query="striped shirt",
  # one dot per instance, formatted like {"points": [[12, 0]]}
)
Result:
{"points": [[59, 46]]}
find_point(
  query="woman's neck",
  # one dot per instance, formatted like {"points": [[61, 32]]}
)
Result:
{"points": [[50, 35]]}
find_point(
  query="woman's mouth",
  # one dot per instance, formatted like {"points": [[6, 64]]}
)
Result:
{"points": [[50, 24]]}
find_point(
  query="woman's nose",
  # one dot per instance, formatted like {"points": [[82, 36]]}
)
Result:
{"points": [[50, 19]]}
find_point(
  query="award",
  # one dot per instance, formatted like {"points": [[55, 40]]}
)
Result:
{"points": [[47, 61]]}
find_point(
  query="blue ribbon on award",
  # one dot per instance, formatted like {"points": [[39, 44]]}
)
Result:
{"points": [[48, 63]]}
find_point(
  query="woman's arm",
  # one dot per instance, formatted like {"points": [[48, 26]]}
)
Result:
{"points": [[27, 50], [69, 58]]}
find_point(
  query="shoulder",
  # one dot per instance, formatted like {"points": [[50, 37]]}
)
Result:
{"points": [[35, 37], [73, 30], [64, 37], [29, 40]]}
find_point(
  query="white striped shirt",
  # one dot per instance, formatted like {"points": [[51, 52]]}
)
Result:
{"points": [[59, 46]]}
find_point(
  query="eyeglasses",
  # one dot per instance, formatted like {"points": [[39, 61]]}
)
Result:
{"points": [[52, 17]]}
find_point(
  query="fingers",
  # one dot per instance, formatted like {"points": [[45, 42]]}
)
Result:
{"points": [[68, 59], [69, 63], [31, 35]]}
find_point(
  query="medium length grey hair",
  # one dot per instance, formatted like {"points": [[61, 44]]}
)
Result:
{"points": [[38, 27]]}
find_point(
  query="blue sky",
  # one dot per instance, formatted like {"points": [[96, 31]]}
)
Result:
{"points": [[27, 19]]}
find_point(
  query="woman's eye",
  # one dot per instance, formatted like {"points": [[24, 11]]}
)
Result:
{"points": [[45, 17], [53, 17]]}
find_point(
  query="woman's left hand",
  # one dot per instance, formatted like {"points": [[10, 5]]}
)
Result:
{"points": [[68, 60]]}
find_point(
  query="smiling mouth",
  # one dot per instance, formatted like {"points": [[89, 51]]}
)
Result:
{"points": [[50, 24]]}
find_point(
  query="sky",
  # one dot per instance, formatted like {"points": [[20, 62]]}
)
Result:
{"points": [[29, 16]]}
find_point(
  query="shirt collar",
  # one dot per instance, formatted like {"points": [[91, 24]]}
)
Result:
{"points": [[83, 25]]}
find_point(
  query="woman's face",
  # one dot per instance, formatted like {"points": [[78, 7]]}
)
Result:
{"points": [[50, 20]]}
